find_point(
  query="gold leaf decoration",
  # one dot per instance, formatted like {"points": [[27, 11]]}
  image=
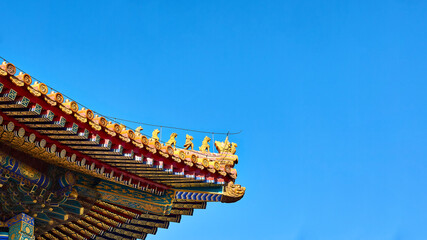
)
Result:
{"points": [[233, 192]]}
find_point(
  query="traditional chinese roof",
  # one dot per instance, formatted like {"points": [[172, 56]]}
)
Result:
{"points": [[44, 125]]}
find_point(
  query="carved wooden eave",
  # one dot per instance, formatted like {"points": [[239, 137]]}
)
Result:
{"points": [[53, 129]]}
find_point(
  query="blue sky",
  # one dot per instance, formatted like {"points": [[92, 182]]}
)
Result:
{"points": [[330, 95]]}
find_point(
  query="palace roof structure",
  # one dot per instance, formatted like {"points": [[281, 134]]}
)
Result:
{"points": [[81, 176]]}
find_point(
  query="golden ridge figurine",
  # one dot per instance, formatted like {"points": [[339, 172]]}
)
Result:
{"points": [[139, 129], [205, 145], [172, 140], [155, 134], [188, 142]]}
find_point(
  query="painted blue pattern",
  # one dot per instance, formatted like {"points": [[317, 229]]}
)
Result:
{"points": [[209, 197]]}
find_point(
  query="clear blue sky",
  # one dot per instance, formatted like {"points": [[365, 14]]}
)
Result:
{"points": [[330, 95]]}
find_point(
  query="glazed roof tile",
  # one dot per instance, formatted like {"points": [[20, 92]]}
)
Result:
{"points": [[104, 148]]}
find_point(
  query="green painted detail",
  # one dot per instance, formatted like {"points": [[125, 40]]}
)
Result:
{"points": [[17, 208], [1, 87], [27, 200], [24, 102], [50, 115], [97, 139], [86, 133], [74, 128], [37, 109], [12, 94], [62, 122], [21, 227], [125, 196], [120, 149], [73, 206], [42, 218], [58, 213]]}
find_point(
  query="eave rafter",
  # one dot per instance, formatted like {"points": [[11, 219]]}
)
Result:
{"points": [[110, 221], [47, 127]]}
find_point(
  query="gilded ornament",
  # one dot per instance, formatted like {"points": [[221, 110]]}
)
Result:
{"points": [[165, 155], [129, 133], [155, 135], [111, 133], [95, 126], [188, 142], [100, 120], [205, 145], [64, 109], [80, 118], [193, 158], [87, 113], [144, 140], [181, 154], [72, 105], [176, 159], [55, 96], [157, 145], [16, 81], [172, 140], [233, 193], [169, 150], [124, 138], [74, 194], [9, 68], [139, 129], [33, 91], [226, 146], [40, 87]]}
